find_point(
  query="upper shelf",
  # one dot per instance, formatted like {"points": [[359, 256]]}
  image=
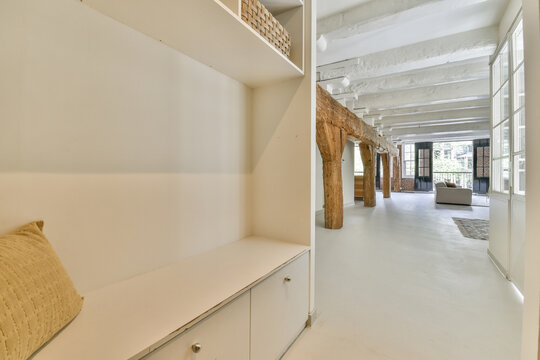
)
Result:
{"points": [[209, 32], [278, 6]]}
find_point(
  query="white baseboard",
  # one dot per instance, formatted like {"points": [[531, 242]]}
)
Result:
{"points": [[312, 316], [498, 265]]}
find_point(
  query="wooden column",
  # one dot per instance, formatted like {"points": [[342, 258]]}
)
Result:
{"points": [[367, 152], [331, 141], [397, 174], [385, 157]]}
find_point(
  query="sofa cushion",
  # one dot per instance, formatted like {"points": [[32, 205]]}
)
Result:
{"points": [[450, 184], [37, 296]]}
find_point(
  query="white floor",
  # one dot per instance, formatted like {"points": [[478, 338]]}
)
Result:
{"points": [[399, 282]]}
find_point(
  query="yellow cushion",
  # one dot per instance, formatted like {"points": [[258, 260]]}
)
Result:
{"points": [[37, 297]]}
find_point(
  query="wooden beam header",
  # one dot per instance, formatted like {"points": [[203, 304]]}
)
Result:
{"points": [[330, 111]]}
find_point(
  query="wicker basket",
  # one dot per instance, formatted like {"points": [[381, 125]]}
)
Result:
{"points": [[255, 15]]}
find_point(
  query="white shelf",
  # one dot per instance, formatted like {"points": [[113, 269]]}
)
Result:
{"points": [[209, 32], [278, 6], [129, 319]]}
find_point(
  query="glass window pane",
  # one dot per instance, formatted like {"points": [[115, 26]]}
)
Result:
{"points": [[519, 88], [519, 131], [506, 138], [496, 175], [505, 170], [496, 108], [518, 44], [519, 174], [504, 64], [505, 106], [497, 142], [496, 74]]}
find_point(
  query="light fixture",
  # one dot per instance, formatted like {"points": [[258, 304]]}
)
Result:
{"points": [[322, 43], [336, 82]]}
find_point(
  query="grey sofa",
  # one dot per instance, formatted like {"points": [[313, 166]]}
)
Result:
{"points": [[451, 195]]}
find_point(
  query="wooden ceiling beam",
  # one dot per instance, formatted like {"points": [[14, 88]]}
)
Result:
{"points": [[330, 111]]}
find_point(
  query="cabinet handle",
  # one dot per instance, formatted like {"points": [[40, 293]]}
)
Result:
{"points": [[287, 278], [196, 348]]}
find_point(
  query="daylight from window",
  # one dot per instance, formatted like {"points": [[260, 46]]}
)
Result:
{"points": [[453, 162]]}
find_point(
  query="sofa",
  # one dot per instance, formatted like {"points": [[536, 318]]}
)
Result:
{"points": [[452, 195]]}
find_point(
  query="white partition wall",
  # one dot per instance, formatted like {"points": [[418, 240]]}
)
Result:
{"points": [[531, 17], [507, 213], [142, 142]]}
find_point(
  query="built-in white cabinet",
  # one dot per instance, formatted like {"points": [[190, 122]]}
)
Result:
{"points": [[265, 319], [279, 308], [223, 336]]}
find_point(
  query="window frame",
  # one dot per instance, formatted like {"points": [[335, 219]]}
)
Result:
{"points": [[498, 123], [405, 161]]}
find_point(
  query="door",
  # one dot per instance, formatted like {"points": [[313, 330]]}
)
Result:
{"points": [[378, 173], [423, 177], [507, 200]]}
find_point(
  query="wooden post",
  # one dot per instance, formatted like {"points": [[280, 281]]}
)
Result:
{"points": [[367, 152], [397, 174], [331, 141], [385, 157]]}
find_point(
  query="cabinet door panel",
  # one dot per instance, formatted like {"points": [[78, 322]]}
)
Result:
{"points": [[222, 336], [279, 310]]}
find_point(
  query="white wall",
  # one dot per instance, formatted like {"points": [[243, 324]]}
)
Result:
{"points": [[134, 155], [531, 308], [347, 175], [508, 18]]}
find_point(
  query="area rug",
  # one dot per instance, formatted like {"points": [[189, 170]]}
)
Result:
{"points": [[473, 228]]}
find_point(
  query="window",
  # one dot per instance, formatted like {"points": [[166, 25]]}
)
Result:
{"points": [[408, 160], [424, 162], [482, 162], [518, 106], [358, 164], [508, 121]]}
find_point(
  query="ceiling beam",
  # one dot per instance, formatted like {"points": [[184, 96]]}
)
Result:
{"points": [[330, 111], [432, 95], [471, 135], [437, 116], [436, 75], [375, 113], [438, 129], [365, 13], [409, 27], [464, 46]]}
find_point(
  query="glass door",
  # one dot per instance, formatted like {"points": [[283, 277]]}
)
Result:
{"points": [[507, 210], [423, 180]]}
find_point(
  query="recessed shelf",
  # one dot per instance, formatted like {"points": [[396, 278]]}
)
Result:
{"points": [[276, 7], [222, 40]]}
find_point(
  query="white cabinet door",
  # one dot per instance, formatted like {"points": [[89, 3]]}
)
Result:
{"points": [[222, 336], [279, 310]]}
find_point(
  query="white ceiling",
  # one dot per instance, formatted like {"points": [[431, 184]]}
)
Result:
{"points": [[410, 54], [330, 7]]}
